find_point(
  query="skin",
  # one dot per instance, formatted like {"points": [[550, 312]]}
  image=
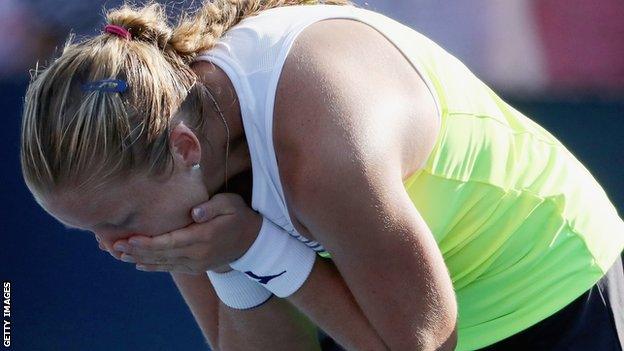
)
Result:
{"points": [[378, 127]]}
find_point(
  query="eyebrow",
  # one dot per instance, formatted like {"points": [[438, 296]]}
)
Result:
{"points": [[121, 224]]}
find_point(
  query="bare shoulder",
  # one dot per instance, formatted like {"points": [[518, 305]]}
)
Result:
{"points": [[344, 80]]}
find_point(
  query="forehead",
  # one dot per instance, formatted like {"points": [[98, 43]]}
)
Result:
{"points": [[84, 208]]}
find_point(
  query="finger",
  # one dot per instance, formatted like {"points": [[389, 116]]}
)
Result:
{"points": [[113, 250], [154, 267], [190, 251], [122, 245], [220, 204], [99, 242], [165, 268], [159, 260], [177, 238], [115, 254]]}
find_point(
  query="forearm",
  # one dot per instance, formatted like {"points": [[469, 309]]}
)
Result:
{"points": [[202, 301], [275, 325], [328, 302]]}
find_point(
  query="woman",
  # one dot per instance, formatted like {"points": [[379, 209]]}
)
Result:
{"points": [[328, 167]]}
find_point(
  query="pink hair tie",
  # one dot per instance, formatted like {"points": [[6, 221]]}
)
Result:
{"points": [[117, 30]]}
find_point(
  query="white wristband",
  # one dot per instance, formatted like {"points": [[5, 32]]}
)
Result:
{"points": [[237, 291], [278, 261]]}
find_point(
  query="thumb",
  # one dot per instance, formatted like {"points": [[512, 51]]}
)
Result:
{"points": [[198, 213], [217, 206]]}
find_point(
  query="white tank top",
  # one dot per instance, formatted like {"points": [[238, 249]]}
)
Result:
{"points": [[252, 54]]}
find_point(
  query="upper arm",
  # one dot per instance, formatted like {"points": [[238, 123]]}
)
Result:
{"points": [[341, 150]]}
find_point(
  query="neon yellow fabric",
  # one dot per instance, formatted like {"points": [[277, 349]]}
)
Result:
{"points": [[522, 225]]}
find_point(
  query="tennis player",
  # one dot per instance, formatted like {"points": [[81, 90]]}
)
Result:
{"points": [[299, 166]]}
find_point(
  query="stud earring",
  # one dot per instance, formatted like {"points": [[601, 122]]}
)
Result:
{"points": [[196, 166]]}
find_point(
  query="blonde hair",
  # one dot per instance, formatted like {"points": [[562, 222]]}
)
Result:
{"points": [[72, 137]]}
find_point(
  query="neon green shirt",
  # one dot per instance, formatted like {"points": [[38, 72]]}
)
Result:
{"points": [[523, 227]]}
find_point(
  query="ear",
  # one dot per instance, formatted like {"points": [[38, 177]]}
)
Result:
{"points": [[184, 145]]}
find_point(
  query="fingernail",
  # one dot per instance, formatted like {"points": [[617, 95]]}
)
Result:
{"points": [[140, 267], [133, 241], [121, 247], [198, 214], [127, 258]]}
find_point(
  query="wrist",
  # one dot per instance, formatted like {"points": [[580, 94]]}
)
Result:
{"points": [[253, 226], [223, 269], [237, 291], [276, 260]]}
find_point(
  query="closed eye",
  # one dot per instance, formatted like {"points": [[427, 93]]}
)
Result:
{"points": [[123, 224]]}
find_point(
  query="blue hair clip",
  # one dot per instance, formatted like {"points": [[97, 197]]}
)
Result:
{"points": [[107, 85]]}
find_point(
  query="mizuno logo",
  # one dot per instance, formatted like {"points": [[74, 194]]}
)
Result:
{"points": [[263, 279]]}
